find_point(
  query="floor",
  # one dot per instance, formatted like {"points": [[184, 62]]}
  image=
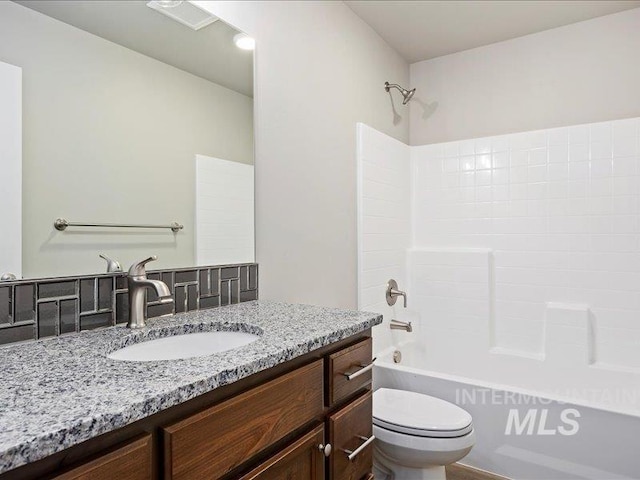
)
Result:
{"points": [[463, 472]]}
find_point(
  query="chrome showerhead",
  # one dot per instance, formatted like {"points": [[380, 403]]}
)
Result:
{"points": [[406, 94]]}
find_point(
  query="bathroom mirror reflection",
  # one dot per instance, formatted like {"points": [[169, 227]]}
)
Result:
{"points": [[132, 113]]}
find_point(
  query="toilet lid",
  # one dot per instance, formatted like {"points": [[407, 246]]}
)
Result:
{"points": [[418, 414]]}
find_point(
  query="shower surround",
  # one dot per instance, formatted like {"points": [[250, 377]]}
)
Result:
{"points": [[519, 252]]}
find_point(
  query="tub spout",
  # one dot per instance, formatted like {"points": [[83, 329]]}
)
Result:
{"points": [[400, 325]]}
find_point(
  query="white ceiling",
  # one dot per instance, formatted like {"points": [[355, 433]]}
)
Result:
{"points": [[208, 53], [420, 30]]}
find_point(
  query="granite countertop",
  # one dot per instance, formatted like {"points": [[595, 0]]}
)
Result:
{"points": [[58, 392]]}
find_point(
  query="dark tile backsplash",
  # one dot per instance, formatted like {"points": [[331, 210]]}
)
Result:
{"points": [[32, 309]]}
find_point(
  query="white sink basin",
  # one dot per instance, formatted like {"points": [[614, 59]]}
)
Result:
{"points": [[183, 346]]}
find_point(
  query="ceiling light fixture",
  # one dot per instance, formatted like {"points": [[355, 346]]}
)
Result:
{"points": [[185, 13], [244, 41]]}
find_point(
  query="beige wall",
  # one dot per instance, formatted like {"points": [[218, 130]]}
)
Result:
{"points": [[111, 136], [319, 70], [581, 73]]}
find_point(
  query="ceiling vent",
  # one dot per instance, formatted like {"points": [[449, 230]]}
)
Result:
{"points": [[184, 12]]}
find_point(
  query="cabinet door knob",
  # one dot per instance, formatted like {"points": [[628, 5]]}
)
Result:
{"points": [[326, 449]]}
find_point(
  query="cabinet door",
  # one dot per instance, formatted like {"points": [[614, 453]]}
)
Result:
{"points": [[130, 462], [342, 367], [212, 443], [302, 460], [351, 436]]}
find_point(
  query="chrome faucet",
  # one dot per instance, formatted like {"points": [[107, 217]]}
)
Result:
{"points": [[112, 265], [393, 293], [400, 325], [138, 283]]}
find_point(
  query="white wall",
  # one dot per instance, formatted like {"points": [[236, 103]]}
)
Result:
{"points": [[224, 220], [524, 258], [559, 210], [384, 228], [110, 136], [11, 169], [319, 70], [581, 73]]}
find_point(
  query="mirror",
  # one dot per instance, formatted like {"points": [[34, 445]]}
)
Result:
{"points": [[126, 118]]}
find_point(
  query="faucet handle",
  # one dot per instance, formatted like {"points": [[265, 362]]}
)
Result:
{"points": [[393, 293], [112, 265], [138, 269]]}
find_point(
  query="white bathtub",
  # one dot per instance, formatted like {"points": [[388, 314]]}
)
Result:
{"points": [[574, 442]]}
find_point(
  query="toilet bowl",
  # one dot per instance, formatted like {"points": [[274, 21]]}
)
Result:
{"points": [[417, 435]]}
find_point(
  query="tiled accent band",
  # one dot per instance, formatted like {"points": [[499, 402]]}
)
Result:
{"points": [[32, 309]]}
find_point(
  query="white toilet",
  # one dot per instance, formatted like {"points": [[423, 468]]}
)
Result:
{"points": [[417, 435]]}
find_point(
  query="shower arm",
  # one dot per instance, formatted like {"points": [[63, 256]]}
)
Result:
{"points": [[406, 94], [388, 86]]}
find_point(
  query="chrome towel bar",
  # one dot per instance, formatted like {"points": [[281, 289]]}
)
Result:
{"points": [[61, 224]]}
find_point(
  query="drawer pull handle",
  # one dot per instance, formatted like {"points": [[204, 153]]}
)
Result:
{"points": [[326, 449], [364, 369], [353, 454]]}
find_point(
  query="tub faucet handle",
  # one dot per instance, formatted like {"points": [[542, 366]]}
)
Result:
{"points": [[393, 293]]}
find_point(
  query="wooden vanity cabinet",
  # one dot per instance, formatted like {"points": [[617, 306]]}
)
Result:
{"points": [[212, 443], [131, 461], [349, 371], [302, 460], [350, 431], [273, 425], [219, 441]]}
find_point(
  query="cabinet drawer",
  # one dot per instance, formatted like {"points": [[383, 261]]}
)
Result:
{"points": [[349, 429], [215, 441], [129, 462], [346, 362], [302, 460]]}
